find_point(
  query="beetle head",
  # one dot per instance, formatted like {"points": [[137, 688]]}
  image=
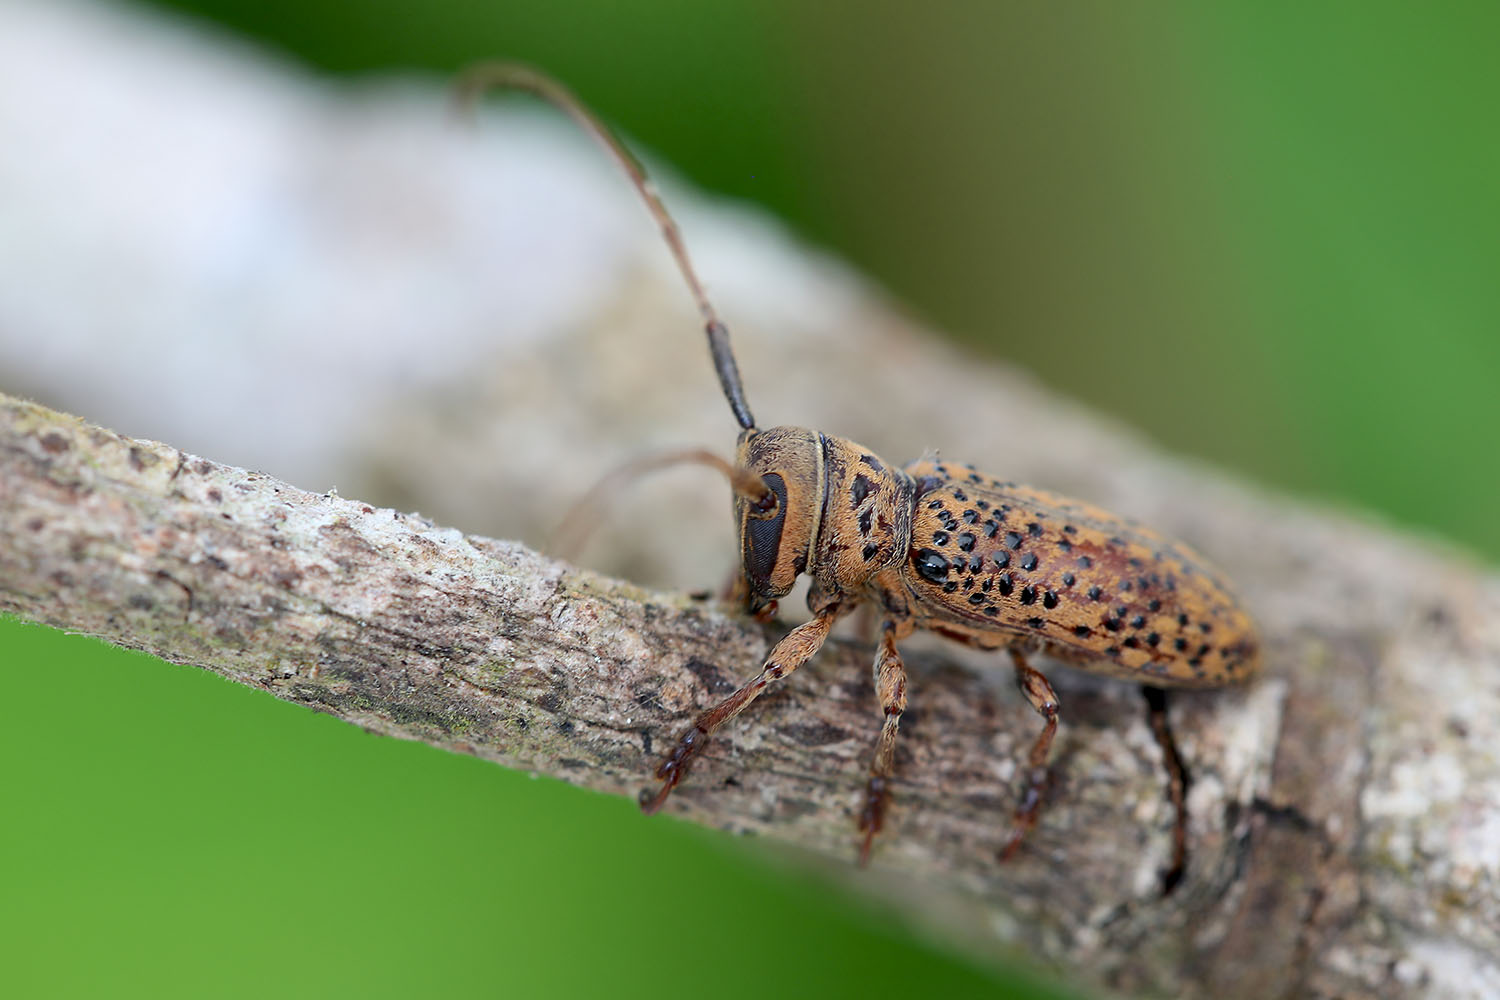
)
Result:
{"points": [[778, 530]]}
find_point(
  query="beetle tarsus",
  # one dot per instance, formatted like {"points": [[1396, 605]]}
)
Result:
{"points": [[872, 816], [674, 767]]}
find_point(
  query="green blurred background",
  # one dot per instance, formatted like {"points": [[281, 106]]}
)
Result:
{"points": [[1265, 233]]}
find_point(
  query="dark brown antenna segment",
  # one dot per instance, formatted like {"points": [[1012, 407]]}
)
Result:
{"points": [[514, 76]]}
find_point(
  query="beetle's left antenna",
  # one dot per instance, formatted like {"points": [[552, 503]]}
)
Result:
{"points": [[472, 84]]}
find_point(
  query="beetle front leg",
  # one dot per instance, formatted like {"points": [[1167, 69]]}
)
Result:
{"points": [[795, 649], [1039, 692], [890, 688]]}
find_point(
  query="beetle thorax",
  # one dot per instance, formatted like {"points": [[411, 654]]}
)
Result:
{"points": [[841, 514]]}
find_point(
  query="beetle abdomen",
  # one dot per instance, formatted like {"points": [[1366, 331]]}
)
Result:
{"points": [[993, 561]]}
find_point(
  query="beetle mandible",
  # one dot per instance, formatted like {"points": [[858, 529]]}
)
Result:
{"points": [[938, 546]]}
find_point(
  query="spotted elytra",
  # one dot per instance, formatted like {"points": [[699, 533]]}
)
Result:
{"points": [[938, 546]]}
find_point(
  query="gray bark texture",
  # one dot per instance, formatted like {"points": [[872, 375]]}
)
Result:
{"points": [[1342, 809], [479, 326]]}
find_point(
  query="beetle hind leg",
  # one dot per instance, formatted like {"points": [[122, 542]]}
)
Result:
{"points": [[1044, 700], [890, 688], [1178, 780]]}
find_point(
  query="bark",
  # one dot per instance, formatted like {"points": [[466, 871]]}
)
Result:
{"points": [[1342, 809]]}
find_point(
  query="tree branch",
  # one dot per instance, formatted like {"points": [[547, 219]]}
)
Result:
{"points": [[484, 647]]}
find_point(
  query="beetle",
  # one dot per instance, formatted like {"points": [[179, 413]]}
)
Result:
{"points": [[937, 546]]}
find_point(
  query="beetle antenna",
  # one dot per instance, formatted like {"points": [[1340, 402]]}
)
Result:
{"points": [[473, 83], [573, 530]]}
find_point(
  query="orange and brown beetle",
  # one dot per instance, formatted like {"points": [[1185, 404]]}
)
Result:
{"points": [[940, 547]]}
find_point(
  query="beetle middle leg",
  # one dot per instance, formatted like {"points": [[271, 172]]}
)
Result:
{"points": [[1039, 692], [890, 688], [795, 649]]}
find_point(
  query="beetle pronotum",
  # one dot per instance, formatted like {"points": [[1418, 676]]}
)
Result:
{"points": [[938, 546]]}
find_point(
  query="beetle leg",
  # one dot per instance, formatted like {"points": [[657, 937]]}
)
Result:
{"points": [[890, 688], [795, 649], [1037, 691], [1177, 784]]}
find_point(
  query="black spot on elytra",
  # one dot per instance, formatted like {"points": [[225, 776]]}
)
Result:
{"points": [[1034, 530], [977, 599], [1155, 605], [1049, 600], [864, 520], [1028, 594], [1085, 562], [1180, 645], [1069, 579], [1138, 621], [1113, 624], [940, 538], [1029, 563], [1004, 583], [1013, 539], [966, 542], [872, 462], [950, 586], [1082, 631], [1096, 592], [971, 516], [1153, 638], [931, 565], [869, 552]]}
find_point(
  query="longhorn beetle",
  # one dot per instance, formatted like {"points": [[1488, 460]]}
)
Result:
{"points": [[937, 546]]}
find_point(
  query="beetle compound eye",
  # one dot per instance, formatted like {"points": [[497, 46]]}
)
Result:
{"points": [[763, 533]]}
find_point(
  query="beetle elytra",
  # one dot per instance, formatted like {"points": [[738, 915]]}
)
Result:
{"points": [[937, 546]]}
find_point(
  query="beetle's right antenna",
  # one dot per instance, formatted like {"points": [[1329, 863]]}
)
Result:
{"points": [[472, 84]]}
